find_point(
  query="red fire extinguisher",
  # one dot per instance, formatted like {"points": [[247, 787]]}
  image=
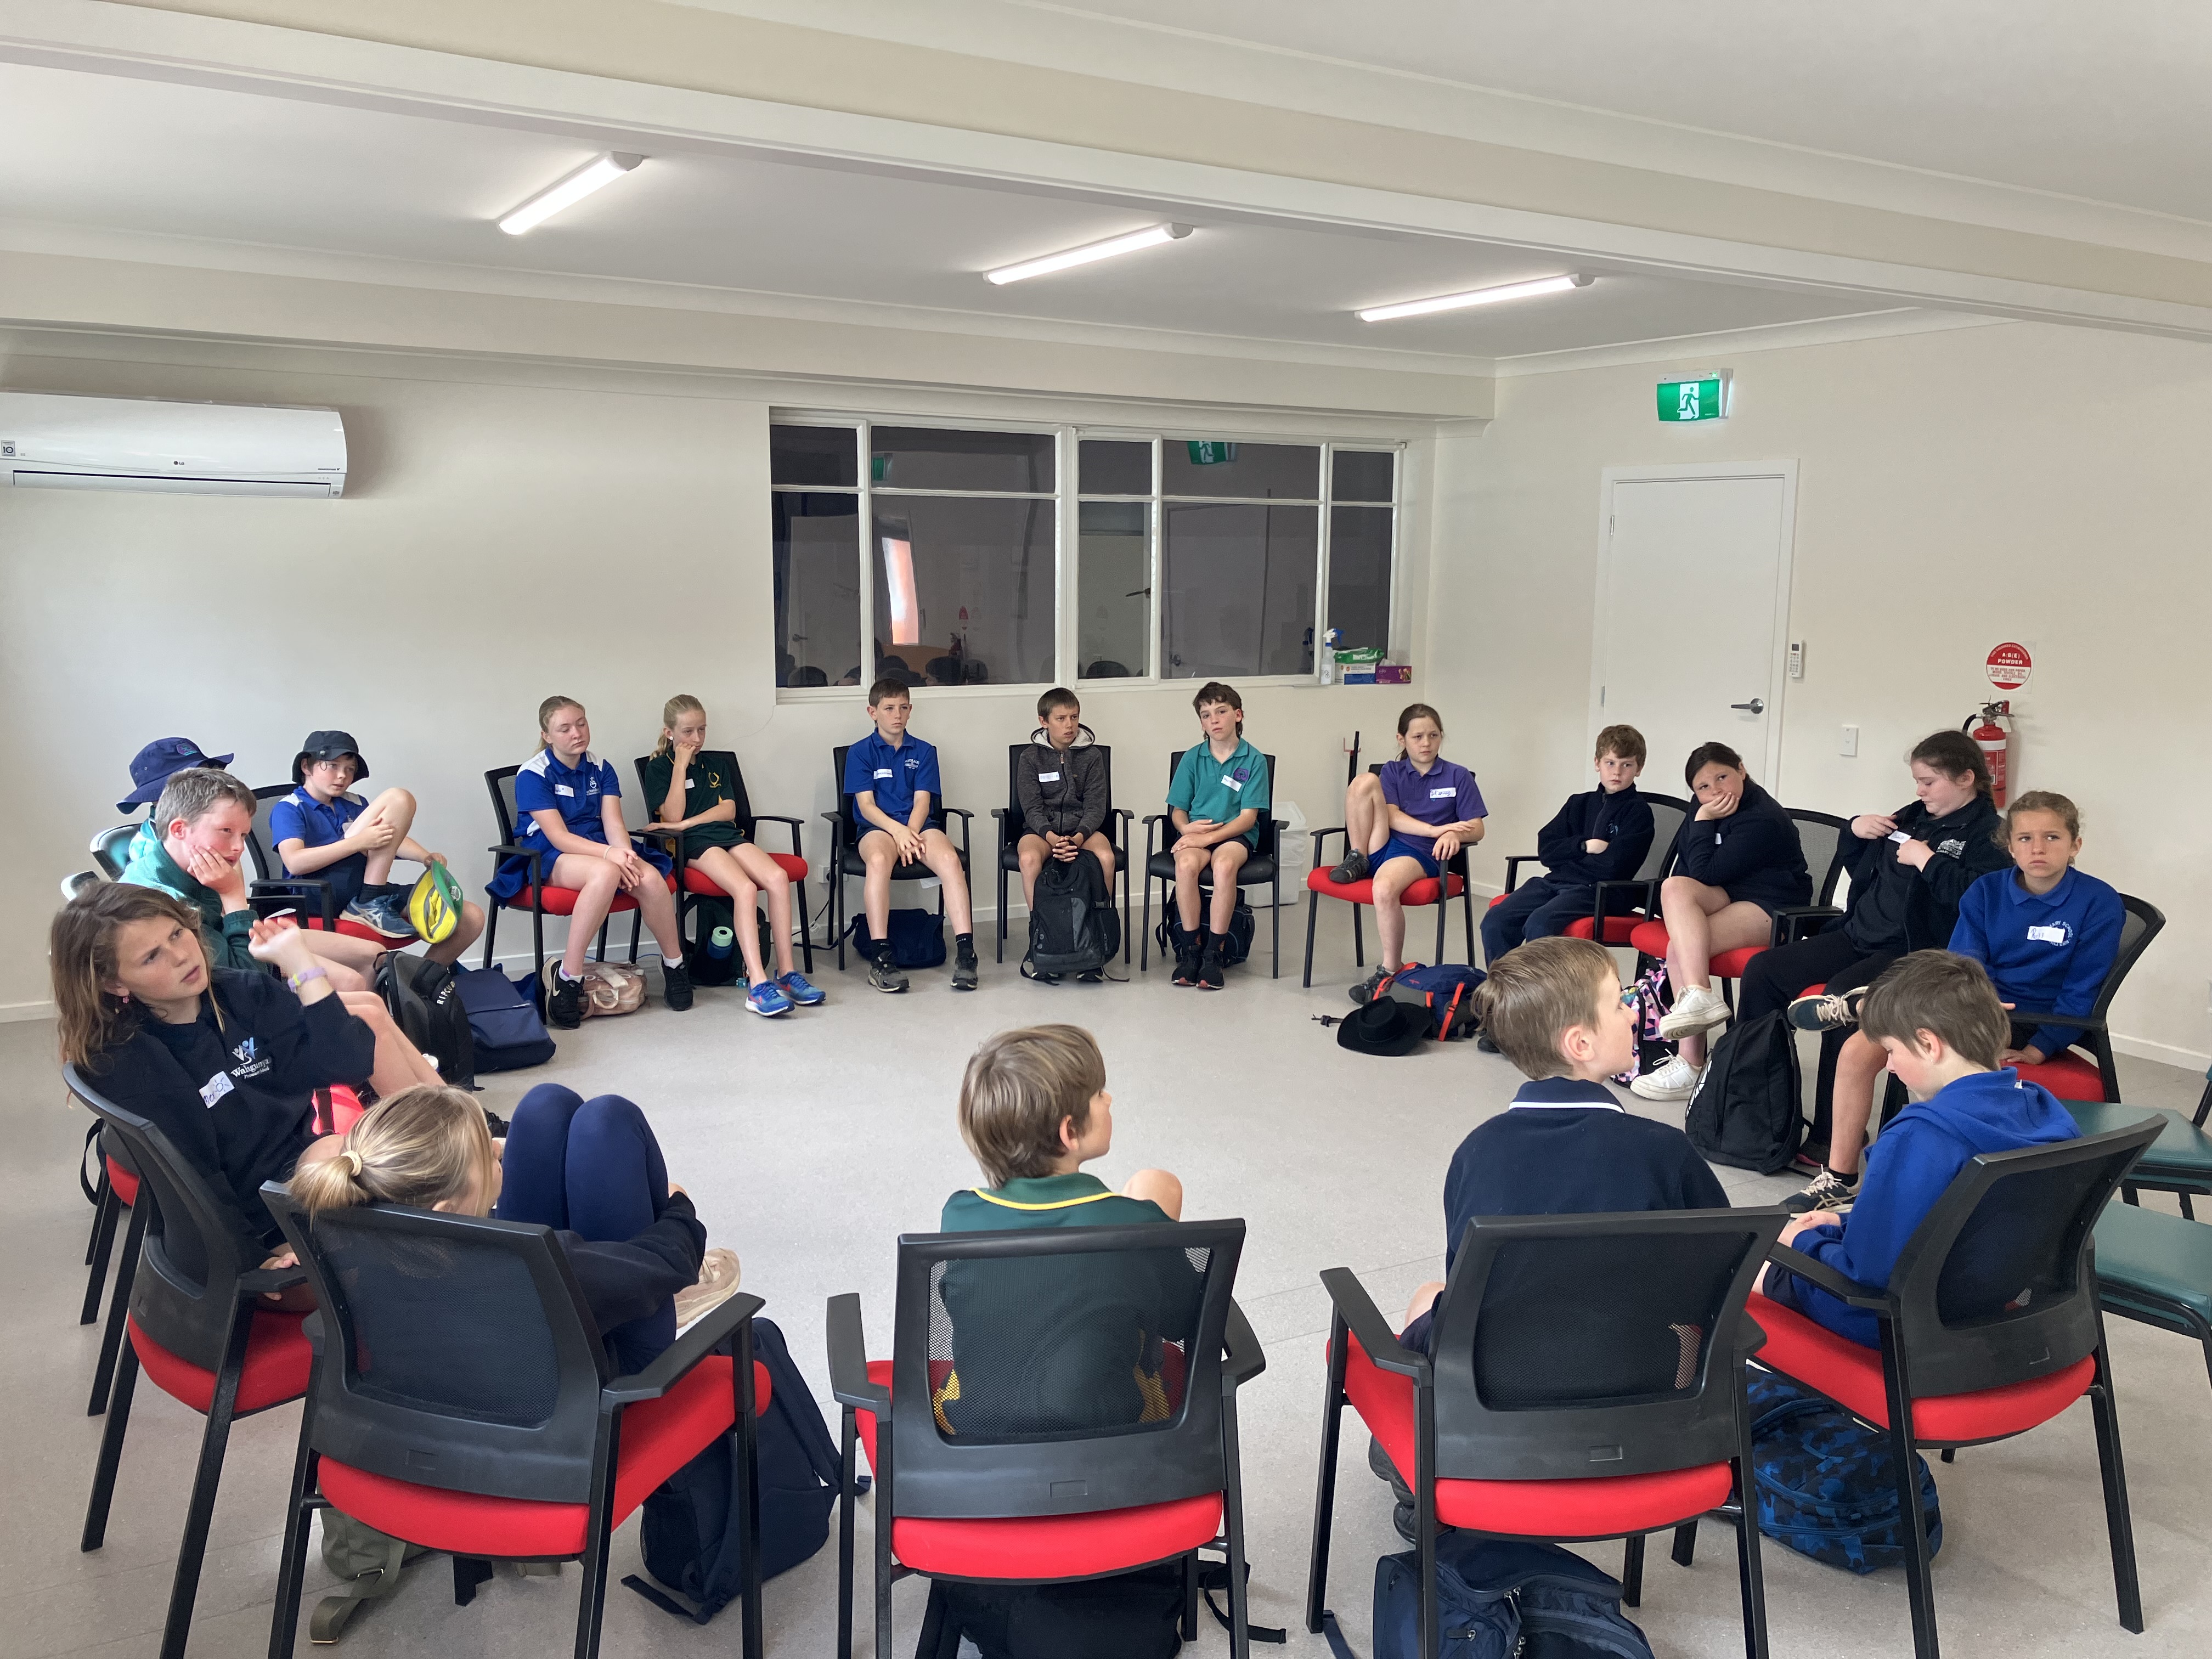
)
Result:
{"points": [[1995, 742]]}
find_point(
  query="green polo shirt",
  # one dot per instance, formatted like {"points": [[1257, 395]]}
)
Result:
{"points": [[1055, 1344], [1218, 790], [709, 781]]}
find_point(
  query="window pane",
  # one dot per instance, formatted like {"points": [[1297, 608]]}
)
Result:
{"points": [[925, 458], [814, 455], [964, 590], [1359, 575], [1360, 475], [1202, 467], [1109, 468], [817, 589], [1113, 558], [1239, 590]]}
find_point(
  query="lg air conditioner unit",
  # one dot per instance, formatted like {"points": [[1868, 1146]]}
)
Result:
{"points": [[53, 443]]}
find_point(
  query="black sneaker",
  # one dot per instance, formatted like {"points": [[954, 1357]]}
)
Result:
{"points": [[1822, 1013], [1830, 1193], [1030, 971], [676, 987], [564, 1005], [1364, 993], [963, 968], [883, 974], [1483, 1045], [1354, 868], [1185, 968], [1210, 976]]}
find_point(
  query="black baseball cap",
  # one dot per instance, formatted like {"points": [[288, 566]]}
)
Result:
{"points": [[150, 767], [328, 746]]}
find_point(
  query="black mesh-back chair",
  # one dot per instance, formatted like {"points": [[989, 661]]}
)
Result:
{"points": [[1821, 834], [196, 1327], [110, 848], [535, 897], [2069, 1075], [1989, 1327], [310, 895], [1622, 904], [463, 1400], [1584, 1380], [80, 881], [692, 885], [845, 858], [1262, 869], [1012, 829], [1426, 892], [1028, 1448]]}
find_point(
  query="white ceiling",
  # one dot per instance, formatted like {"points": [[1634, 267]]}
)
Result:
{"points": [[244, 178]]}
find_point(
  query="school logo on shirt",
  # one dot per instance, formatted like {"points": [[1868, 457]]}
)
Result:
{"points": [[1953, 848], [251, 1062], [912, 761]]}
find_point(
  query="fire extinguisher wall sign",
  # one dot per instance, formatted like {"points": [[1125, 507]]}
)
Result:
{"points": [[2009, 665]]}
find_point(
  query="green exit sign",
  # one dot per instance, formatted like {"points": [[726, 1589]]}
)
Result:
{"points": [[1695, 397]]}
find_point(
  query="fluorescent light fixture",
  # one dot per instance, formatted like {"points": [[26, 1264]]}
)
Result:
{"points": [[569, 191], [1085, 254], [1480, 296]]}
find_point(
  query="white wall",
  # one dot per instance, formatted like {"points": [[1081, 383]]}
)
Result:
{"points": [[1955, 489], [497, 542]]}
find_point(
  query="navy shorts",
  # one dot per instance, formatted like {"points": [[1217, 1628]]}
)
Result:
{"points": [[1405, 846]]}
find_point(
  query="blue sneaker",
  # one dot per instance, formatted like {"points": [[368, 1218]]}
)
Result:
{"points": [[765, 998], [795, 986]]}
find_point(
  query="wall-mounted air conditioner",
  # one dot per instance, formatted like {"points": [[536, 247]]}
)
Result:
{"points": [[53, 443]]}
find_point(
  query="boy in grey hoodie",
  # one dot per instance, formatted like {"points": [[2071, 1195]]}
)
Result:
{"points": [[1060, 782]]}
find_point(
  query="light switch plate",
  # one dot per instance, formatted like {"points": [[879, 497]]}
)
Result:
{"points": [[1851, 743]]}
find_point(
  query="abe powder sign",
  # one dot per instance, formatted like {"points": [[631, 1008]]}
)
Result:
{"points": [[2010, 666]]}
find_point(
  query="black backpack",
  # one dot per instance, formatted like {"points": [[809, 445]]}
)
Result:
{"points": [[709, 913], [917, 938], [426, 1006], [685, 1535], [503, 1021], [1073, 926], [1243, 926], [1128, 1615], [1746, 1113]]}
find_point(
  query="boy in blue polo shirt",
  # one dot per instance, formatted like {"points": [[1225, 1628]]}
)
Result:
{"points": [[1216, 799], [321, 829], [891, 775]]}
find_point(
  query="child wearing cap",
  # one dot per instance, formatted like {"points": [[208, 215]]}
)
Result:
{"points": [[152, 766], [898, 815], [1216, 799], [322, 830]]}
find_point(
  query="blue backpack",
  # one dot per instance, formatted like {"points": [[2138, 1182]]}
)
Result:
{"points": [[1824, 1479], [504, 1027], [917, 938], [1445, 993], [1497, 1598]]}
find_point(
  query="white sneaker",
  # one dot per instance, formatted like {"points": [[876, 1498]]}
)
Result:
{"points": [[1700, 1010], [1676, 1081]]}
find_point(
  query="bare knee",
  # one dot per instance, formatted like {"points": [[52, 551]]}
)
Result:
{"points": [[1161, 1188], [1424, 1299], [1366, 787]]}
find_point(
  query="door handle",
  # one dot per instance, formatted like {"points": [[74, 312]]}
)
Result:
{"points": [[1756, 706]]}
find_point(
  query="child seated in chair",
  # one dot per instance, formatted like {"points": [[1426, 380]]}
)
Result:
{"points": [[1034, 1110], [1061, 780], [1939, 1023], [1601, 835], [1219, 795], [1565, 1145], [321, 829], [898, 820]]}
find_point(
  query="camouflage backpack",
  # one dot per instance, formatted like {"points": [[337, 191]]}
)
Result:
{"points": [[1824, 1483]]}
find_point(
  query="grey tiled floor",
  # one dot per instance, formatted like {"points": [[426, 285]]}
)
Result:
{"points": [[810, 1141]]}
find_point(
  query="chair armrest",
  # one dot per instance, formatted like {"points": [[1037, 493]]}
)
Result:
{"points": [[1788, 920], [676, 1362], [778, 817], [1365, 1322], [2046, 1016], [848, 1360], [669, 830], [1844, 1290], [1513, 868], [303, 887], [962, 813], [535, 855], [1321, 836], [1242, 1357], [1600, 894], [263, 1279]]}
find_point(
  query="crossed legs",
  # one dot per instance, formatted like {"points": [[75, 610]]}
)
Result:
{"points": [[1702, 921]]}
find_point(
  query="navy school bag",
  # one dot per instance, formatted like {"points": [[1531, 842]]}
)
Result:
{"points": [[1445, 993], [504, 1028], [1825, 1483], [917, 938], [1499, 1598], [687, 1536]]}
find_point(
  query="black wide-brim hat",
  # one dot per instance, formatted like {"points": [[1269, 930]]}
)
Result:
{"points": [[1384, 1026], [328, 746]]}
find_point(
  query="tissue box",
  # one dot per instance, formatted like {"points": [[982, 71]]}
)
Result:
{"points": [[1363, 675], [1393, 673]]}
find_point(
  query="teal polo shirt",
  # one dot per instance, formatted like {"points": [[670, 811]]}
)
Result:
{"points": [[1218, 790]]}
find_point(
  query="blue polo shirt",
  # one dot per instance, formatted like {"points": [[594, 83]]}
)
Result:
{"points": [[2047, 950], [1217, 791], [578, 793], [1445, 794], [300, 816], [894, 777]]}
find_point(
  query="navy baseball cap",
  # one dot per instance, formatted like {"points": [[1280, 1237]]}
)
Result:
{"points": [[328, 746], [151, 766]]}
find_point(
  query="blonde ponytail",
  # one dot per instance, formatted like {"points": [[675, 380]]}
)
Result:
{"points": [[424, 1146]]}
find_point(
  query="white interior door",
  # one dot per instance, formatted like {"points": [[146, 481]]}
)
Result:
{"points": [[1693, 599]]}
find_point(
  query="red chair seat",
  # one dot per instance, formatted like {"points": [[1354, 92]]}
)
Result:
{"points": [[1851, 1376], [1652, 938], [1603, 1506], [1427, 891], [348, 928], [2067, 1075], [277, 1360], [1618, 930], [561, 901], [1049, 1546], [698, 881], [123, 1183], [658, 1437], [1730, 964]]}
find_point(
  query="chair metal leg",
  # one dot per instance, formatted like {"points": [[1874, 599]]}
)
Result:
{"points": [[111, 1452], [119, 1310], [292, 1565], [1188, 1629], [1444, 915], [199, 1513], [1002, 912], [599, 1541], [1631, 1570], [2118, 1524], [1424, 1516], [1685, 1544], [99, 1245], [1466, 898], [1919, 1588], [748, 1488], [846, 1498], [637, 932], [1950, 1454], [1331, 1426], [1751, 1575], [491, 930], [806, 926], [1240, 1622], [1145, 945], [470, 1573], [885, 1578], [1359, 944], [1275, 909]]}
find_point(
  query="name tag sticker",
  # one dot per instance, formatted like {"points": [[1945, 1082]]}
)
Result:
{"points": [[216, 1088], [2055, 934], [562, 789], [1900, 836], [886, 772], [1048, 777], [691, 783], [1237, 784], [1449, 792]]}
